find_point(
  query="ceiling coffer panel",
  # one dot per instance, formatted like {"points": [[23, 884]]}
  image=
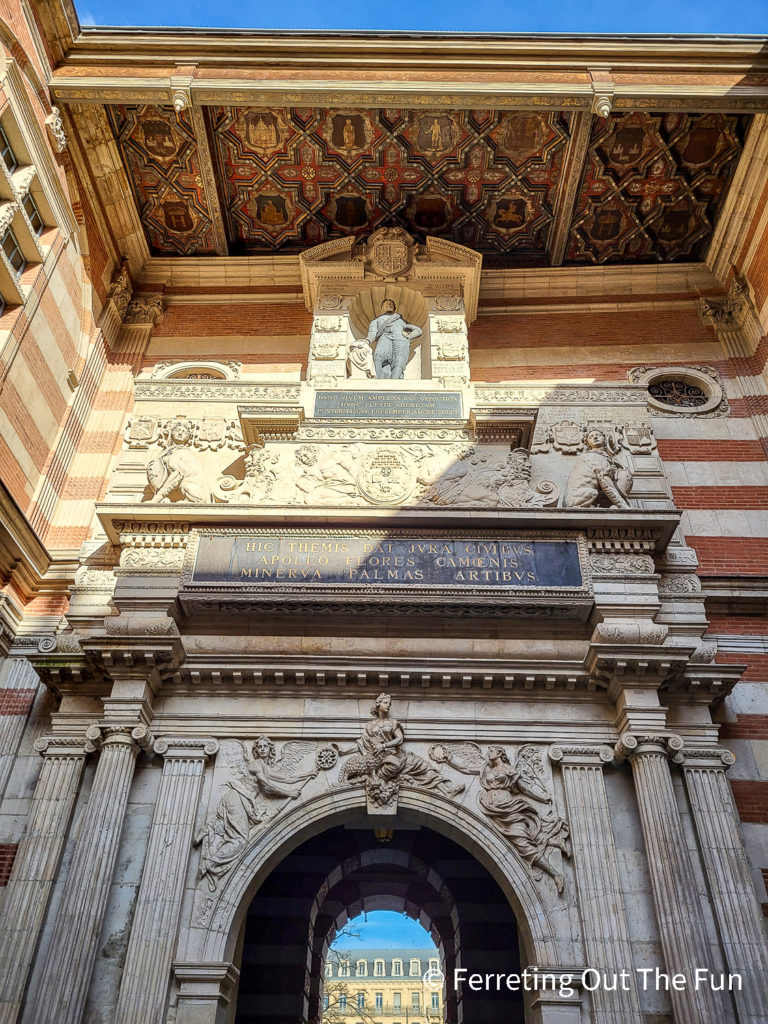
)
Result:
{"points": [[289, 178], [653, 187]]}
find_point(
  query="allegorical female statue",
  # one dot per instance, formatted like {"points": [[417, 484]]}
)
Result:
{"points": [[381, 762], [257, 773], [178, 467], [514, 798]]}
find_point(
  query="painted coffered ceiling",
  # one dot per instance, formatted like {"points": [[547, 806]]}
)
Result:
{"points": [[523, 188]]}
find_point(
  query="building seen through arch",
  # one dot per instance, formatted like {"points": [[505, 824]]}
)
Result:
{"points": [[383, 446]]}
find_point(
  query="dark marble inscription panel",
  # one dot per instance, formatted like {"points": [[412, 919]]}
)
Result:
{"points": [[396, 560], [388, 405]]}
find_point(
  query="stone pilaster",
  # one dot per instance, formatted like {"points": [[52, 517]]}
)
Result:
{"points": [[19, 684], [675, 896], [205, 989], [148, 962], [36, 865], [732, 894], [598, 890], [62, 985]]}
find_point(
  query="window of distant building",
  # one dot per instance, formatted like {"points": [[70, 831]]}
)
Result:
{"points": [[361, 970], [435, 1001], [378, 968], [414, 1000], [361, 1000], [344, 969], [397, 1000], [397, 968], [329, 970], [415, 968], [379, 998], [343, 1001]]}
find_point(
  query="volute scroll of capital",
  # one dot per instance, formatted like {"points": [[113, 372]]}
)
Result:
{"points": [[516, 797]]}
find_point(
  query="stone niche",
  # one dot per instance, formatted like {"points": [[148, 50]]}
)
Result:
{"points": [[434, 287]]}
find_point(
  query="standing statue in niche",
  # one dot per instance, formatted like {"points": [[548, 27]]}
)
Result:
{"points": [[392, 338], [178, 467], [382, 764], [598, 473]]}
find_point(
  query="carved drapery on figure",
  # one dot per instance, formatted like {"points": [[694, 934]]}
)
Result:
{"points": [[258, 780], [382, 765], [515, 798], [178, 468], [598, 475]]}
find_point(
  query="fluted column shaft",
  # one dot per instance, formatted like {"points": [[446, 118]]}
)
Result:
{"points": [[152, 941], [36, 865], [675, 896], [18, 680], [740, 923], [62, 984], [598, 890]]}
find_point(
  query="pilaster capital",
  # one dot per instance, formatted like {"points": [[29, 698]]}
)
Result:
{"points": [[108, 734], [712, 758], [631, 745], [64, 746], [144, 310], [186, 747], [590, 756]]}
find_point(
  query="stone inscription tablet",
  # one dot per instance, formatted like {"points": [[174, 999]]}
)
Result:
{"points": [[378, 405], [299, 560]]}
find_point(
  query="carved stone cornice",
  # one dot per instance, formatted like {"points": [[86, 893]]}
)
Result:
{"points": [[269, 423], [631, 745], [704, 681]]}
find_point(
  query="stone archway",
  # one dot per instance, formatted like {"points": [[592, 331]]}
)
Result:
{"points": [[204, 968]]}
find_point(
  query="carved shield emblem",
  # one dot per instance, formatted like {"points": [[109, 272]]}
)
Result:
{"points": [[639, 438], [568, 437], [390, 258], [142, 432], [386, 477]]}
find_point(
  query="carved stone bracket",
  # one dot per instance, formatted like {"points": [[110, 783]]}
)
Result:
{"points": [[269, 423], [144, 310], [55, 127]]}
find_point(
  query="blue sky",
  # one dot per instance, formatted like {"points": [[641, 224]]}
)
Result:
{"points": [[384, 930], [736, 16]]}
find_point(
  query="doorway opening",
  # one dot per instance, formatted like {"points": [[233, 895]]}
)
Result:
{"points": [[328, 882]]}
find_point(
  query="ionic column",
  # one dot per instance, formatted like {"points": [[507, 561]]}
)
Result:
{"points": [[734, 902], [37, 864], [152, 941], [598, 890], [63, 980], [678, 907]]}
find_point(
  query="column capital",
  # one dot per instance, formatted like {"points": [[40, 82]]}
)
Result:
{"points": [[713, 758], [107, 734], [631, 745], [597, 756], [64, 746], [186, 747]]}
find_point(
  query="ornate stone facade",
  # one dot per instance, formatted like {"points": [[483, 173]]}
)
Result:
{"points": [[376, 576]]}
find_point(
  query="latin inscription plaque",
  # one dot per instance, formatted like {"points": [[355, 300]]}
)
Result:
{"points": [[378, 405], [397, 561]]}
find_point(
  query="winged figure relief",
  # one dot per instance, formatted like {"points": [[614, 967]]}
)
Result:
{"points": [[515, 798], [259, 777]]}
